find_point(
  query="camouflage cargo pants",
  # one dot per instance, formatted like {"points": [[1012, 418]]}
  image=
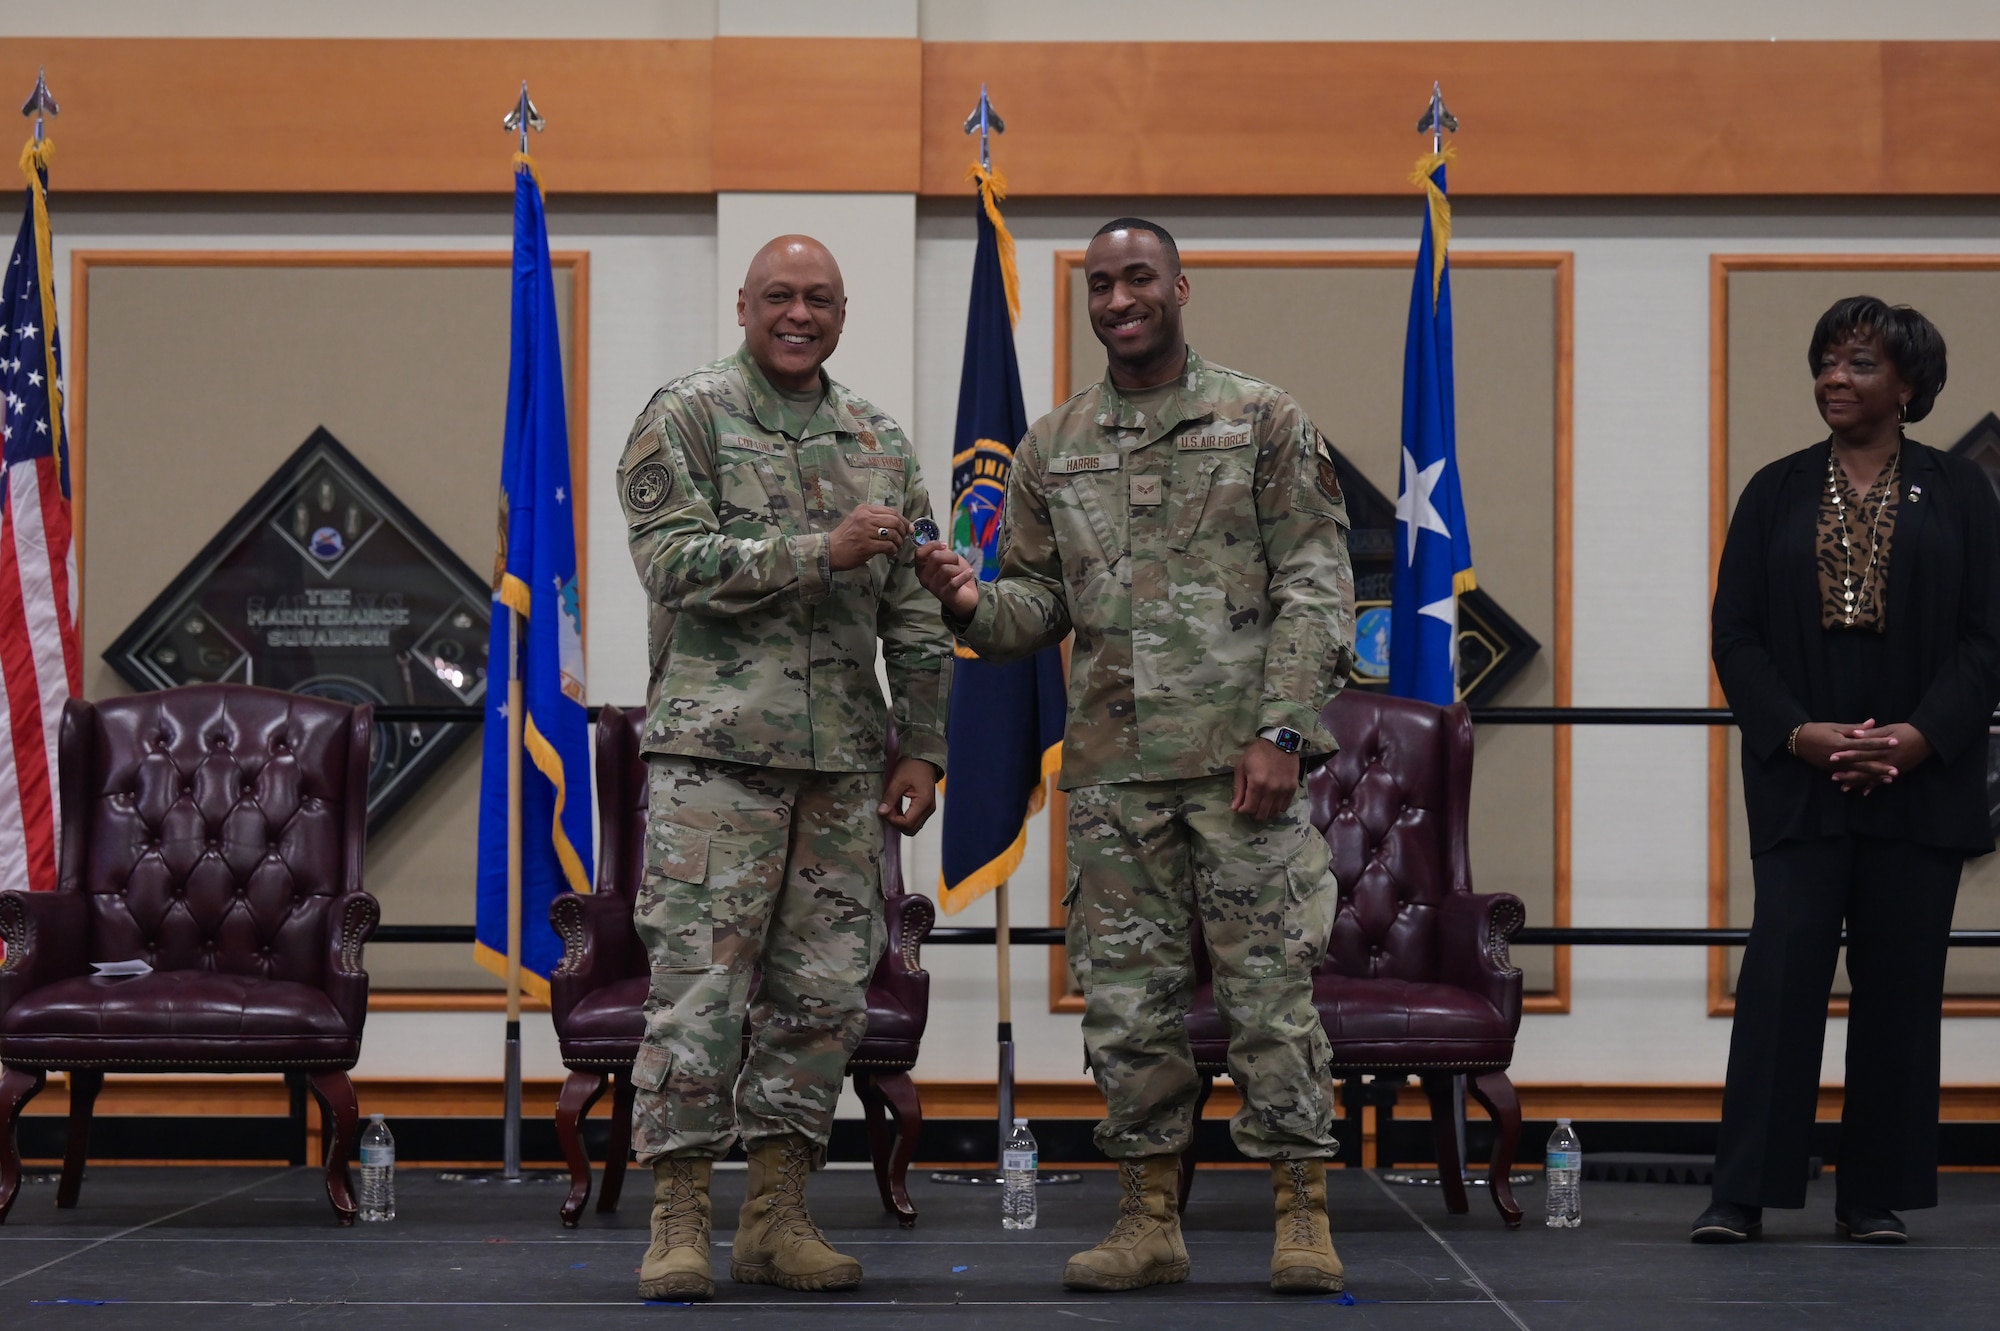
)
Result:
{"points": [[1146, 860], [751, 868]]}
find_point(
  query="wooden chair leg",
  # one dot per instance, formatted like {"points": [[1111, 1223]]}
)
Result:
{"points": [[340, 1119], [1191, 1155], [17, 1087], [1353, 1094], [1444, 1134], [83, 1089], [901, 1093], [295, 1092], [580, 1091], [1495, 1094], [881, 1131], [618, 1150]]}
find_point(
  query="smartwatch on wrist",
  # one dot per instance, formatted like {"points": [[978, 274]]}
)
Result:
{"points": [[1287, 739]]}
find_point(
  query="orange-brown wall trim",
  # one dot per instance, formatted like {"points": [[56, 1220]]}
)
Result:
{"points": [[800, 113], [284, 116], [1084, 118]]}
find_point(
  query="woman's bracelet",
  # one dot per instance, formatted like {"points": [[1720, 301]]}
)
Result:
{"points": [[1792, 740]]}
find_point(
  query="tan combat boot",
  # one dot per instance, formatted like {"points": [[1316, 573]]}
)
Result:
{"points": [[777, 1243], [676, 1266], [1303, 1260], [1144, 1247]]}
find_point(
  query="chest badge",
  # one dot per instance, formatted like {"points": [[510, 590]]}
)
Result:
{"points": [[1916, 493], [1147, 491]]}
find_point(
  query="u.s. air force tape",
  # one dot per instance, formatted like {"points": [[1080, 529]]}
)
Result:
{"points": [[648, 486]]}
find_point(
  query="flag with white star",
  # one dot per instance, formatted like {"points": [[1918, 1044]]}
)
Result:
{"points": [[1433, 551], [537, 630], [40, 664]]}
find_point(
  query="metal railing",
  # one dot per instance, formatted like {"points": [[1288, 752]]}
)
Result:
{"points": [[1485, 716]]}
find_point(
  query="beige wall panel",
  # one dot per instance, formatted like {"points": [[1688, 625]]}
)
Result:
{"points": [[1333, 337], [1771, 413], [201, 380]]}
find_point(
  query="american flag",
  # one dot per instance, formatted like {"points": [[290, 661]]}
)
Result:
{"points": [[40, 662]]}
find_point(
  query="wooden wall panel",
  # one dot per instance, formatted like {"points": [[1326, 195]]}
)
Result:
{"points": [[799, 113], [1339, 118], [1085, 118], [391, 117]]}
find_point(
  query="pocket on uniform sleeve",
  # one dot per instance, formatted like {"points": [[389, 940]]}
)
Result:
{"points": [[682, 852]]}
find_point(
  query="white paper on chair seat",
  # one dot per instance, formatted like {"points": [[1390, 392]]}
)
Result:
{"points": [[120, 969]]}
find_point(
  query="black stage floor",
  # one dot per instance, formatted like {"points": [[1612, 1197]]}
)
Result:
{"points": [[217, 1248]]}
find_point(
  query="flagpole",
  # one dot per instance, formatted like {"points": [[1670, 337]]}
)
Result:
{"points": [[516, 707], [523, 118], [1004, 958]]}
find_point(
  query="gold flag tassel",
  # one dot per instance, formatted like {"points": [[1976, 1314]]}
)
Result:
{"points": [[1440, 213], [992, 189], [34, 161]]}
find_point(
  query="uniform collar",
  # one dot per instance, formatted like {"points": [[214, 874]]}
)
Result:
{"points": [[1190, 403], [835, 414]]}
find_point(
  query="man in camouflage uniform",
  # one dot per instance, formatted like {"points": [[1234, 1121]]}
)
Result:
{"points": [[1185, 522], [768, 509]]}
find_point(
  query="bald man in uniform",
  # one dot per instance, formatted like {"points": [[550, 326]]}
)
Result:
{"points": [[768, 510]]}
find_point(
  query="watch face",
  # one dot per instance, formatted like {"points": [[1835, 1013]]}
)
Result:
{"points": [[1289, 740]]}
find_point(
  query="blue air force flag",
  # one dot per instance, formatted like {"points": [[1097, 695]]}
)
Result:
{"points": [[1006, 725], [534, 576], [1433, 552]]}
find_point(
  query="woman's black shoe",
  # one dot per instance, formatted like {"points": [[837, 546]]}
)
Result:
{"points": [[1866, 1224], [1726, 1222]]}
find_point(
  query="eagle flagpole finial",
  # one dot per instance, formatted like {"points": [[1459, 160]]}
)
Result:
{"points": [[984, 120], [41, 102], [1437, 119], [523, 117]]}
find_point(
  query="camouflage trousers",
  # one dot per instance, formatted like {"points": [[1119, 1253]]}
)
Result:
{"points": [[753, 869], [1149, 859]]}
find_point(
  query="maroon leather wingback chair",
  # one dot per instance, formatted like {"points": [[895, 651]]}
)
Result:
{"points": [[214, 832], [598, 992], [1417, 977]]}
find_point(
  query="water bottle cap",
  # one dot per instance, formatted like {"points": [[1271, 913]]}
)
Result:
{"points": [[1561, 1122], [1020, 1122], [377, 1118]]}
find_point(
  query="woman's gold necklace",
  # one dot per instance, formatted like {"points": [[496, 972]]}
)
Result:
{"points": [[1887, 484]]}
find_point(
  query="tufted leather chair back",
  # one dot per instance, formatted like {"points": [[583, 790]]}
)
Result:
{"points": [[215, 827], [1393, 805]]}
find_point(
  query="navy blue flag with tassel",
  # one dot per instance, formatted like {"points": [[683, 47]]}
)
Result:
{"points": [[1006, 722]]}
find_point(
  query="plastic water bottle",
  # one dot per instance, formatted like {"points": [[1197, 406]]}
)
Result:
{"points": [[1563, 1182], [1018, 1163], [378, 1171]]}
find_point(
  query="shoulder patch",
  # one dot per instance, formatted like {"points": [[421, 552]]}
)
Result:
{"points": [[648, 486], [1326, 474]]}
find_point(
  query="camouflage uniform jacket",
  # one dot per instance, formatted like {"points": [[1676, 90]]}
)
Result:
{"points": [[1200, 558], [760, 652]]}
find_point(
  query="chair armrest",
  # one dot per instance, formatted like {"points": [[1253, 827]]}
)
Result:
{"points": [[597, 935], [900, 972], [44, 934], [1472, 948], [910, 918], [355, 916]]}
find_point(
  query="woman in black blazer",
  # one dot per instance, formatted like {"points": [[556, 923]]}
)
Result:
{"points": [[1856, 632]]}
